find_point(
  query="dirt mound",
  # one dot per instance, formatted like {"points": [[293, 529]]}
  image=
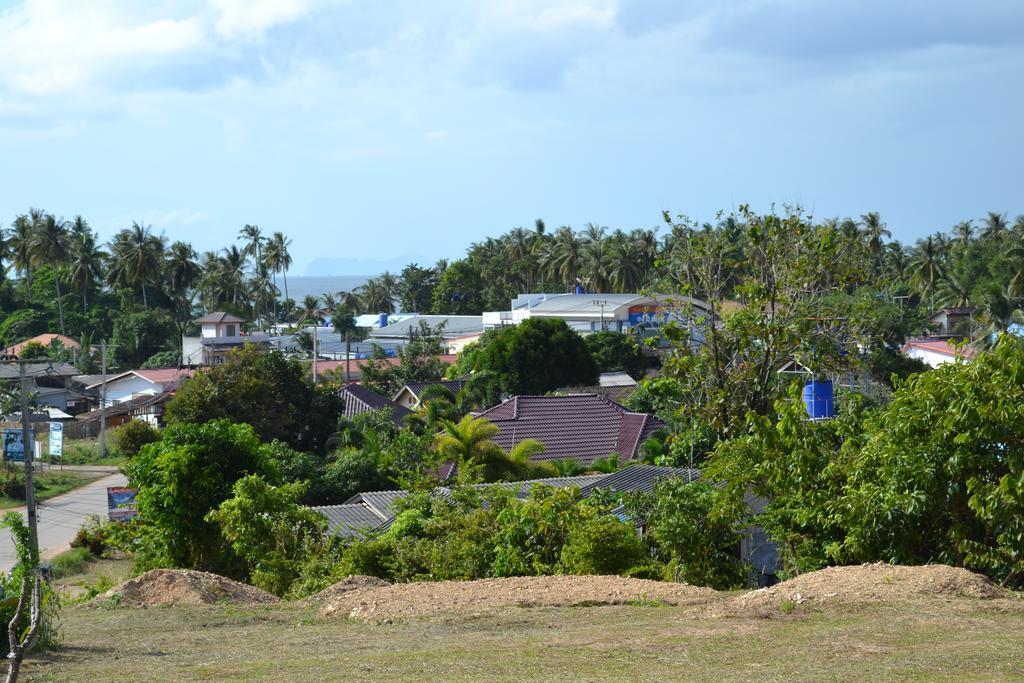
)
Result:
{"points": [[402, 600], [349, 583], [869, 583], [184, 587]]}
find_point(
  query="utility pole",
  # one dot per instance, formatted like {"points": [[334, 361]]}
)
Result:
{"points": [[103, 401], [314, 352], [602, 304], [26, 441]]}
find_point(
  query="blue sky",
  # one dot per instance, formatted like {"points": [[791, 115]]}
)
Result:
{"points": [[399, 131]]}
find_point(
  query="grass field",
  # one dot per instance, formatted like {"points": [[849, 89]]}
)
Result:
{"points": [[87, 452], [925, 640], [50, 483]]}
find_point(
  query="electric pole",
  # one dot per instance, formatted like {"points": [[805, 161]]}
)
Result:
{"points": [[103, 401], [348, 354], [26, 441], [315, 326]]}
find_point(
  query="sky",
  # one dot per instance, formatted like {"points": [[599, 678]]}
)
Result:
{"points": [[377, 132]]}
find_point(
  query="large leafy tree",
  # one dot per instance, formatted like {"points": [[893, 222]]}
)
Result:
{"points": [[137, 258], [534, 357], [190, 472], [48, 246], [263, 389], [418, 361]]}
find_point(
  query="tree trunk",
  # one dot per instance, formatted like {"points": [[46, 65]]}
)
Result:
{"points": [[285, 273], [60, 306], [145, 301]]}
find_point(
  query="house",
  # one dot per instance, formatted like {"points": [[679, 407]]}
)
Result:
{"points": [[936, 352], [359, 399], [581, 427], [614, 385], [409, 395], [452, 327], [45, 340], [952, 322], [586, 313], [135, 384], [220, 333], [50, 383]]}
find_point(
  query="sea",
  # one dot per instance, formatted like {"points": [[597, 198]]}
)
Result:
{"points": [[300, 286]]}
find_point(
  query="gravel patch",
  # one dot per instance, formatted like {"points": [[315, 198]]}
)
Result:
{"points": [[183, 587]]}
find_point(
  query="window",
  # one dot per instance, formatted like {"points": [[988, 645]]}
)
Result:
{"points": [[229, 330]]}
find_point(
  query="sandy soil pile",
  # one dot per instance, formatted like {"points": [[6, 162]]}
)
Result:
{"points": [[349, 583], [397, 601], [184, 587], [870, 583]]}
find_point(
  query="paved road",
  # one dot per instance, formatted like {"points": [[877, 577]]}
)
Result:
{"points": [[61, 517]]}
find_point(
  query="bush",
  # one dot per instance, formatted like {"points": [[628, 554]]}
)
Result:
{"points": [[130, 437], [602, 545], [71, 562], [94, 536]]}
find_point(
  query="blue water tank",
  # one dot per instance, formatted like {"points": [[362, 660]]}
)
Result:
{"points": [[818, 399], [382, 321], [578, 289]]}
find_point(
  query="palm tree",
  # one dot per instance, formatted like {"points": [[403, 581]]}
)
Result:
{"points": [[998, 312], [996, 227], [376, 296], [254, 241], [927, 268], [183, 270], [137, 256], [469, 442], [233, 271], [310, 312], [49, 246], [596, 262], [277, 258], [964, 231], [262, 290], [20, 246], [351, 301], [85, 267], [875, 232], [954, 290], [562, 256]]}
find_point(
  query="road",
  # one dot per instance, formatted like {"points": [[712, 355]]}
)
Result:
{"points": [[61, 517]]}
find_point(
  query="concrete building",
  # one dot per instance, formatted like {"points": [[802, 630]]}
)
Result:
{"points": [[586, 313], [220, 333]]}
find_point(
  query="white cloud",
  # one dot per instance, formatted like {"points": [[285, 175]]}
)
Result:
{"points": [[252, 18]]}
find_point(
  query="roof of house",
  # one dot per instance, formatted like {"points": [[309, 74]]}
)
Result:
{"points": [[454, 326], [237, 340], [126, 407], [44, 339], [376, 509], [416, 388], [41, 369], [356, 365], [349, 518], [616, 379], [940, 346], [156, 376], [219, 317], [360, 399], [583, 427]]}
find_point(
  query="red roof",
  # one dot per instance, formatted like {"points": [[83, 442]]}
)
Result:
{"points": [[164, 375], [940, 346], [45, 339], [583, 427]]}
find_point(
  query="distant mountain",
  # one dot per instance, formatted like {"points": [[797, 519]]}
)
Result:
{"points": [[351, 266]]}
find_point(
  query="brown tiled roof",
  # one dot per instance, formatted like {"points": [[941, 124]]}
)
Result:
{"points": [[583, 427], [219, 317], [360, 399]]}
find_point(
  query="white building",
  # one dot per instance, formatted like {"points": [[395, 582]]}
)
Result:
{"points": [[219, 333], [588, 313], [936, 352]]}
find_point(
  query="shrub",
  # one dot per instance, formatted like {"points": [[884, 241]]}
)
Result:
{"points": [[130, 437], [602, 545], [94, 536], [70, 562]]}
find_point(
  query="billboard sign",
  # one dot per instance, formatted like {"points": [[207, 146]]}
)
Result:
{"points": [[56, 440], [14, 446], [121, 503]]}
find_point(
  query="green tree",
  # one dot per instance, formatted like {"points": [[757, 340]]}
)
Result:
{"points": [[416, 288], [269, 529], [460, 290], [263, 389], [536, 356], [418, 361], [49, 247], [617, 352], [180, 480], [136, 258]]}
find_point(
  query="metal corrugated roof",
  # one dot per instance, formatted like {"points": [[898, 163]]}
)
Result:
{"points": [[641, 478], [349, 519]]}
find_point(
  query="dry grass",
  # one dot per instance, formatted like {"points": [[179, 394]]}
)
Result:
{"points": [[928, 639]]}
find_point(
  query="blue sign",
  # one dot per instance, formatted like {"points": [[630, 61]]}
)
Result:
{"points": [[14, 446], [56, 440], [121, 503]]}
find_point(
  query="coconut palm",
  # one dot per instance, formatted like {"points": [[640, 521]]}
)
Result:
{"points": [[561, 257], [20, 247], [351, 301], [596, 258], [995, 227], [964, 231], [468, 442], [927, 267], [954, 290], [183, 271], [85, 266], [997, 313], [49, 246], [254, 240], [137, 257], [875, 232], [262, 291], [277, 258], [310, 311], [376, 296]]}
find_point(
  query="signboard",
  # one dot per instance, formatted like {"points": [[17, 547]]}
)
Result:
{"points": [[14, 447], [56, 440], [120, 503]]}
